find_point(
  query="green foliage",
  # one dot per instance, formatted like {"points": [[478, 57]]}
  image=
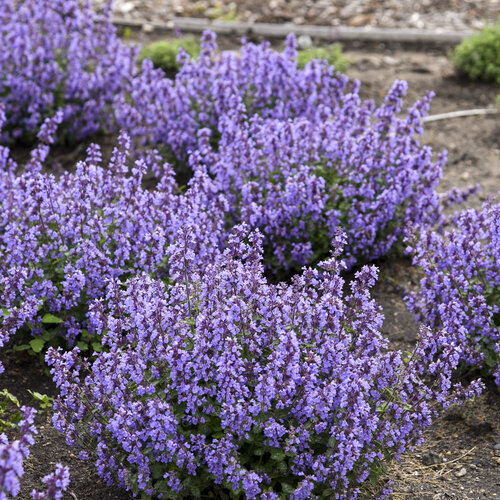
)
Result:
{"points": [[9, 410], [10, 414], [44, 400], [52, 336], [163, 53], [478, 56], [332, 54]]}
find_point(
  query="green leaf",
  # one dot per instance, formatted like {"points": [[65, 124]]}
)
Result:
{"points": [[97, 346], [37, 344], [51, 319], [23, 347], [157, 471], [83, 346], [45, 400], [48, 335], [10, 397]]}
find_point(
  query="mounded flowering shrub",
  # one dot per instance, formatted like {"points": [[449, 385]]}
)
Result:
{"points": [[299, 180], [12, 456], [162, 112], [297, 152], [62, 239], [461, 289], [219, 383], [478, 55], [60, 54]]}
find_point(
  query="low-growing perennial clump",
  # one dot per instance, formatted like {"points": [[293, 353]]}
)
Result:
{"points": [[461, 289], [478, 56], [296, 151], [220, 382], [332, 54], [62, 239], [60, 54], [164, 53], [161, 112], [299, 180]]}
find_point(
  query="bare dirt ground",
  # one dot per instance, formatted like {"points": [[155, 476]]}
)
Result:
{"points": [[458, 458]]}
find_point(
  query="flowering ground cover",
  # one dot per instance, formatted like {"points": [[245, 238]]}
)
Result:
{"points": [[191, 354], [60, 55]]}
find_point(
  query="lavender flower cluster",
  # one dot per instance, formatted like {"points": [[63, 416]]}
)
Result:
{"points": [[259, 80], [62, 239], [12, 456], [220, 381], [461, 287], [60, 54], [299, 180], [368, 173]]}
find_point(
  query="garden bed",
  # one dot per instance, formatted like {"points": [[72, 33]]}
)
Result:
{"points": [[458, 458]]}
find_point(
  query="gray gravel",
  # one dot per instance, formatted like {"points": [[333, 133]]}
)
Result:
{"points": [[423, 14]]}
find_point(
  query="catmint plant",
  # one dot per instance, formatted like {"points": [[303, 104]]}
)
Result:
{"points": [[461, 286], [62, 239], [168, 113], [60, 54], [221, 384], [55, 483], [297, 152], [299, 180]]}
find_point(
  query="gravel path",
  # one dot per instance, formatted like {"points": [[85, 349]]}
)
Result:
{"points": [[423, 14]]}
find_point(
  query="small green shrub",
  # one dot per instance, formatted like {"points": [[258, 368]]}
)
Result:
{"points": [[478, 56], [332, 54], [164, 53]]}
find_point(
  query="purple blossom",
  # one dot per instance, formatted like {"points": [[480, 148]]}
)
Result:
{"points": [[460, 290], [63, 239], [60, 54], [296, 152], [260, 80], [299, 180], [56, 483], [207, 374], [12, 455]]}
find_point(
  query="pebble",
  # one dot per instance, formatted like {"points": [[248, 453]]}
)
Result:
{"points": [[125, 7], [497, 447], [431, 459], [304, 42], [461, 472], [391, 61]]}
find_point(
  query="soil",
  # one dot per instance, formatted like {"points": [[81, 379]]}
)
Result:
{"points": [[422, 14], [457, 459]]}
